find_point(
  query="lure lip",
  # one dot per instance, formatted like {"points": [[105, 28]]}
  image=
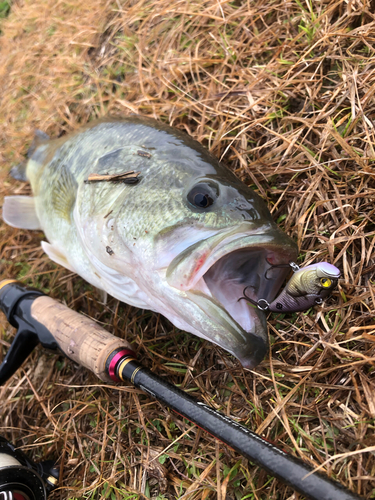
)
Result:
{"points": [[325, 269]]}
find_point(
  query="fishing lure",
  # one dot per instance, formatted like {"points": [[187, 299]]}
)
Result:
{"points": [[306, 288]]}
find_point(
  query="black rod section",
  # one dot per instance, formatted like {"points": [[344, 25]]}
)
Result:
{"points": [[287, 468]]}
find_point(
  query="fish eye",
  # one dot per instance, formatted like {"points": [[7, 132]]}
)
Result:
{"points": [[325, 282], [203, 195]]}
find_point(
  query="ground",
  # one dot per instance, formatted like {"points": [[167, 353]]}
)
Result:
{"points": [[283, 93]]}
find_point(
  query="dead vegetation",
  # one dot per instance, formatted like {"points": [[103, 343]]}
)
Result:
{"points": [[283, 92]]}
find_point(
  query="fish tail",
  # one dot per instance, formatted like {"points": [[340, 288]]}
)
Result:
{"points": [[19, 212]]}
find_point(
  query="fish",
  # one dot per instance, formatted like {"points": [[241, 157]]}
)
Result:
{"points": [[182, 239], [306, 288]]}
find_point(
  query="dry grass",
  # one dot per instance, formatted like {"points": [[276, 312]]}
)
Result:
{"points": [[283, 92]]}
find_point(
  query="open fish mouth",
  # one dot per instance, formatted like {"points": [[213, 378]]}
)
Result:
{"points": [[214, 272]]}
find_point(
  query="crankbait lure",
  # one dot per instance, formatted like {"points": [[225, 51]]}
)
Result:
{"points": [[306, 288]]}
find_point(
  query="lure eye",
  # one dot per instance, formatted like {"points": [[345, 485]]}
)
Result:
{"points": [[325, 282], [203, 195]]}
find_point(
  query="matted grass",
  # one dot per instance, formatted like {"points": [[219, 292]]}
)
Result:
{"points": [[283, 92]]}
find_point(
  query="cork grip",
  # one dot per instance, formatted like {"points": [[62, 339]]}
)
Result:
{"points": [[80, 338]]}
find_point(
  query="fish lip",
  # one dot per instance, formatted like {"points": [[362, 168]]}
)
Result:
{"points": [[186, 270]]}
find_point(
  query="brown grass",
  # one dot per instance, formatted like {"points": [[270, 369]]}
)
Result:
{"points": [[283, 93]]}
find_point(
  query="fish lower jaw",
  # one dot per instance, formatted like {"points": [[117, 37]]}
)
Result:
{"points": [[245, 337], [241, 316]]}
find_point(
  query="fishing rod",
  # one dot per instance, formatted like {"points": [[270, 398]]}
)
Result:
{"points": [[23, 479], [41, 319]]}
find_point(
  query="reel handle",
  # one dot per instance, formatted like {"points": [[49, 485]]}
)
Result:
{"points": [[41, 319]]}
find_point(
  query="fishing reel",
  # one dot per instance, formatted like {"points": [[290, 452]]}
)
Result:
{"points": [[23, 479]]}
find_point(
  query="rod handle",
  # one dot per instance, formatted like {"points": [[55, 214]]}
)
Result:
{"points": [[79, 337]]}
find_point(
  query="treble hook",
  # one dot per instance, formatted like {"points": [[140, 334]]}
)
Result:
{"points": [[258, 303]]}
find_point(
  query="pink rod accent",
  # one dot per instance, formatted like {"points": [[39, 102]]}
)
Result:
{"points": [[116, 358]]}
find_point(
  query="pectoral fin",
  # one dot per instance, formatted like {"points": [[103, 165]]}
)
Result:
{"points": [[19, 211], [63, 194], [56, 255]]}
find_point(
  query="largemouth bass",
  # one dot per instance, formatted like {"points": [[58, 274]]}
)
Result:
{"points": [[183, 241]]}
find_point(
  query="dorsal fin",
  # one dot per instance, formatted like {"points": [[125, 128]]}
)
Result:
{"points": [[39, 138], [18, 172]]}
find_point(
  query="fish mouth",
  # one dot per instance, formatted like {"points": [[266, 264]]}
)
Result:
{"points": [[213, 273]]}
